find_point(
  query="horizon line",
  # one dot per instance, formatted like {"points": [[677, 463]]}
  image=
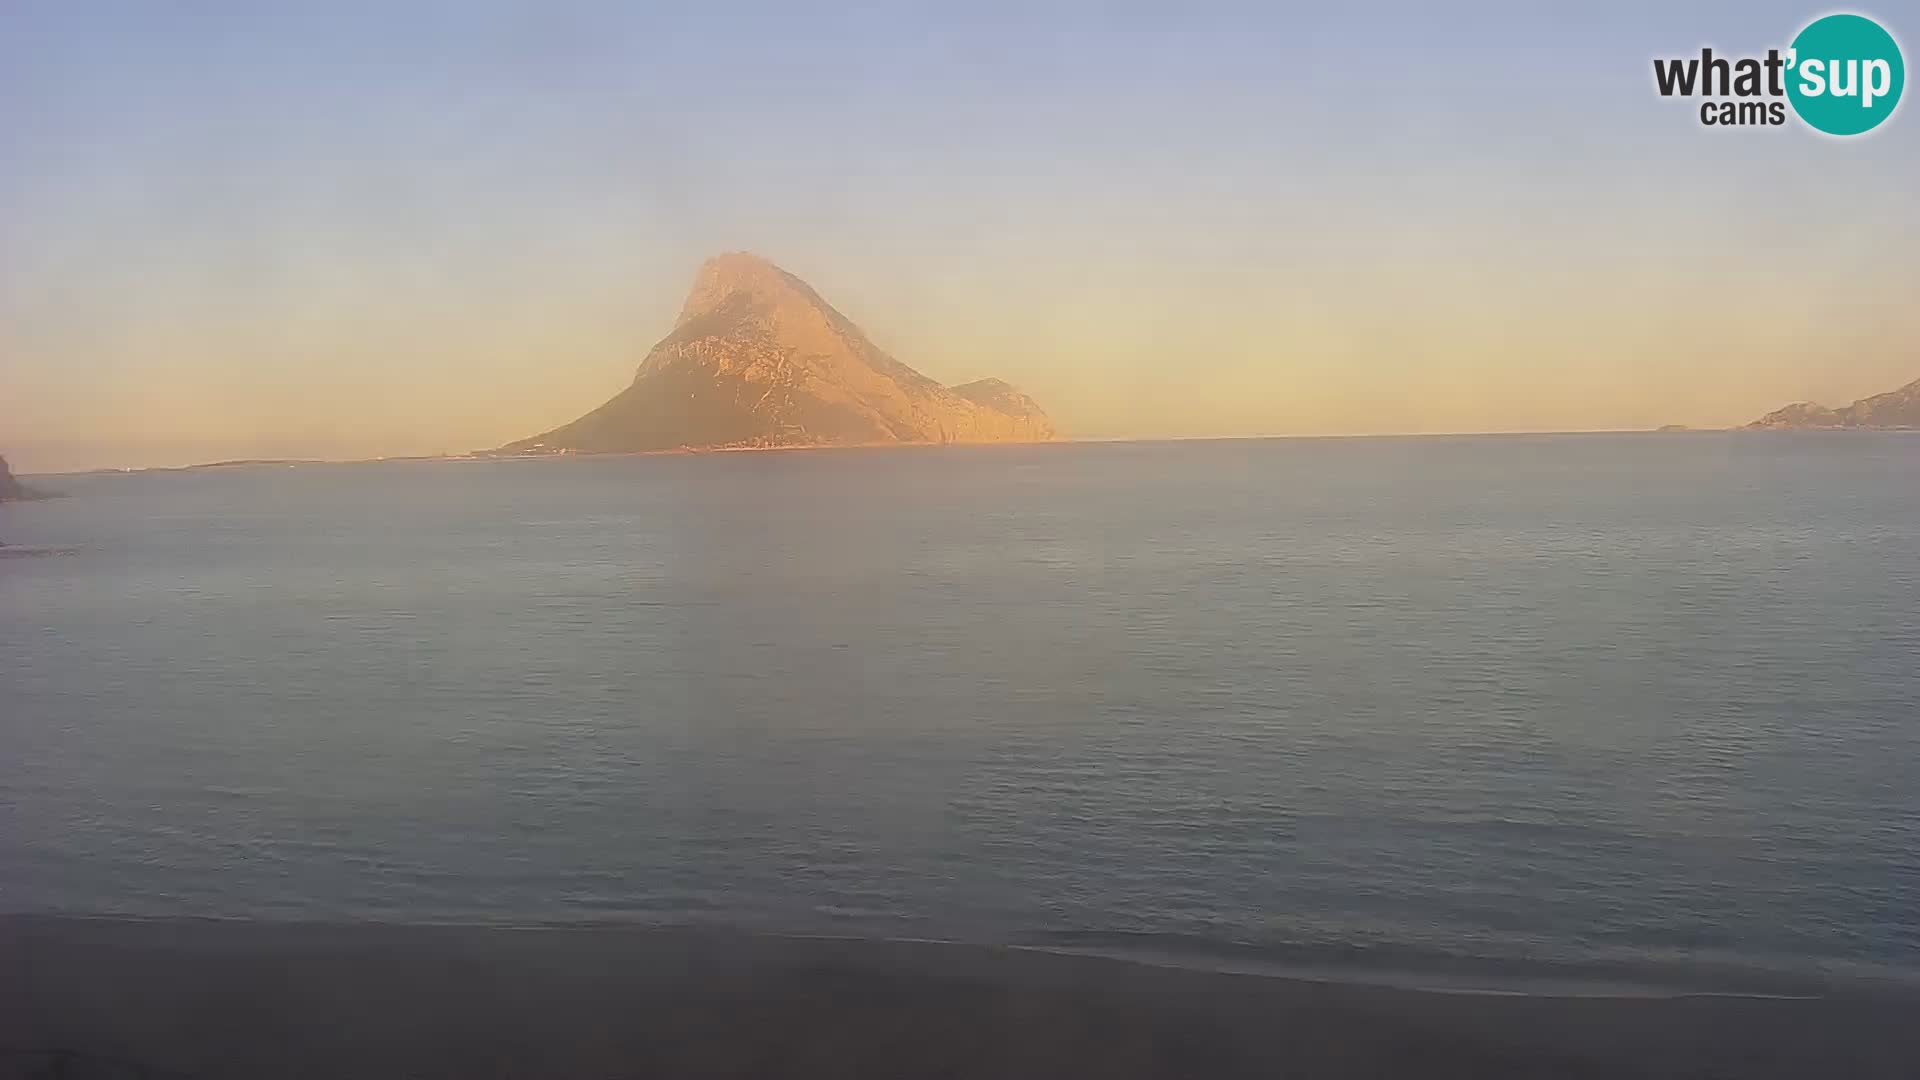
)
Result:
{"points": [[691, 451]]}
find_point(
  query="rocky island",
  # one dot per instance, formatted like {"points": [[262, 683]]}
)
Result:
{"points": [[1893, 409], [758, 359]]}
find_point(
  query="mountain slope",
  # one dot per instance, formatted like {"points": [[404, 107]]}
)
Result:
{"points": [[757, 358], [1893, 409]]}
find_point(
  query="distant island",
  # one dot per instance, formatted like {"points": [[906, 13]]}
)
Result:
{"points": [[758, 359], [1894, 409]]}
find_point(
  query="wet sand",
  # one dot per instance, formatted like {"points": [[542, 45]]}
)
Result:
{"points": [[85, 998]]}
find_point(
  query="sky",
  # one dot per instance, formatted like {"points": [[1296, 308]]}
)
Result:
{"points": [[358, 229]]}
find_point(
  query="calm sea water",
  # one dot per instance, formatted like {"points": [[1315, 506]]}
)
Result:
{"points": [[1573, 703]]}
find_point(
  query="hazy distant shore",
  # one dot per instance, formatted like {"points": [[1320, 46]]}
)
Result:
{"points": [[495, 456], [216, 999]]}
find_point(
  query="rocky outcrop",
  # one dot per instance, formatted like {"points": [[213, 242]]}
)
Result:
{"points": [[1894, 409], [11, 489], [1002, 397], [758, 359]]}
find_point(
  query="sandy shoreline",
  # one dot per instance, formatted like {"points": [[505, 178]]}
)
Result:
{"points": [[217, 999]]}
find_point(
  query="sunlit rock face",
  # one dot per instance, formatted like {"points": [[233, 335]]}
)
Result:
{"points": [[1893, 409], [757, 358]]}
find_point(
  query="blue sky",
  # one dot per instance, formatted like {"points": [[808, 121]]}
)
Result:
{"points": [[347, 229]]}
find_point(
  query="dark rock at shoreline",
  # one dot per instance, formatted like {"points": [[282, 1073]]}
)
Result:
{"points": [[12, 490]]}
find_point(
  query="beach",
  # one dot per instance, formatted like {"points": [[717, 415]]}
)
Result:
{"points": [[228, 999]]}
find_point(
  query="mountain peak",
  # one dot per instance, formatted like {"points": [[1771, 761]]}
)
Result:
{"points": [[739, 270], [736, 273], [757, 358]]}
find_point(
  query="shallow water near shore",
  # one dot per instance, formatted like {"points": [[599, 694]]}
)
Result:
{"points": [[1636, 710]]}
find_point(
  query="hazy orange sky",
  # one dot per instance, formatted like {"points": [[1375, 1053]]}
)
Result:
{"points": [[235, 232]]}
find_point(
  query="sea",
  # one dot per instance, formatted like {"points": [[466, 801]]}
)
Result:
{"points": [[1488, 712]]}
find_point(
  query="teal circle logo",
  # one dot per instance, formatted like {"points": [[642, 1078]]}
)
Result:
{"points": [[1845, 74]]}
